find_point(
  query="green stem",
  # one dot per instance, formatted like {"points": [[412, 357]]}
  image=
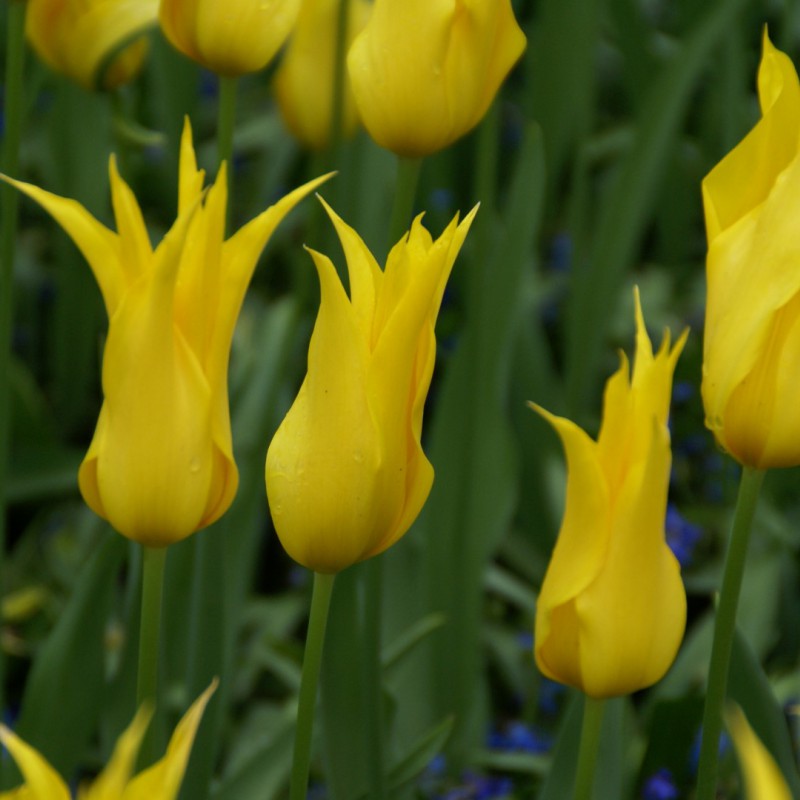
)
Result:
{"points": [[150, 623], [590, 743], [13, 110], [408, 170], [373, 669], [315, 640], [226, 122], [724, 628]]}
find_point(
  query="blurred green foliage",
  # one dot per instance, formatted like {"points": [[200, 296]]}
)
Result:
{"points": [[588, 171]]}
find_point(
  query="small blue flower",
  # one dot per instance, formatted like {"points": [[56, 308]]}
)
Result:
{"points": [[550, 694], [660, 786], [682, 392], [682, 535]]}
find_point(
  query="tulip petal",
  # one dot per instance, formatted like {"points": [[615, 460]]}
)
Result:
{"points": [[424, 73], [744, 178], [130, 226], [578, 555], [111, 782], [363, 271], [163, 779], [762, 776], [99, 245], [190, 179], [42, 782], [309, 450], [637, 603]]}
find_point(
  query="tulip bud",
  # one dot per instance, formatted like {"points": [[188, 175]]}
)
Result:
{"points": [[160, 465], [752, 330], [229, 37], [78, 37], [346, 475], [424, 72], [304, 80], [612, 608]]}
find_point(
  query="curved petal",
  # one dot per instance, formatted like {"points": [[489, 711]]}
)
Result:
{"points": [[762, 776], [577, 558], [329, 441], [230, 38], [42, 782], [111, 782], [632, 616], [163, 780], [99, 245]]}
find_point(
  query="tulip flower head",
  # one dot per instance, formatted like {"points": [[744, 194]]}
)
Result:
{"points": [[159, 782], [346, 475], [612, 608], [77, 38], [229, 37], [763, 779], [304, 80], [751, 352], [424, 72], [160, 465]]}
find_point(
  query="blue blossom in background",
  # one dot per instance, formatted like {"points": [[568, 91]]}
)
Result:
{"points": [[550, 694], [682, 535], [660, 786], [519, 738]]}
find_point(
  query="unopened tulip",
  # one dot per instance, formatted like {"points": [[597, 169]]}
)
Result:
{"points": [[763, 779], [751, 359], [161, 465], [77, 38], [229, 37], [424, 72], [612, 608], [346, 475], [159, 782], [304, 80]]}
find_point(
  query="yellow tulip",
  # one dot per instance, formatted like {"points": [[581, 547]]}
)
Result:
{"points": [[159, 782], [304, 80], [346, 475], [161, 465], [752, 331], [424, 72], [612, 608], [76, 38], [762, 777], [232, 37]]}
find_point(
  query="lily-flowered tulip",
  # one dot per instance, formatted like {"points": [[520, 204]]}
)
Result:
{"points": [[116, 782], [752, 332], [161, 465], [763, 779], [612, 608], [77, 37], [346, 475], [230, 38], [304, 80], [424, 72]]}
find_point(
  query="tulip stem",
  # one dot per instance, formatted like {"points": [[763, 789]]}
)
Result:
{"points": [[724, 628], [408, 170], [13, 111], [373, 677], [312, 660], [226, 122], [150, 623], [590, 744]]}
